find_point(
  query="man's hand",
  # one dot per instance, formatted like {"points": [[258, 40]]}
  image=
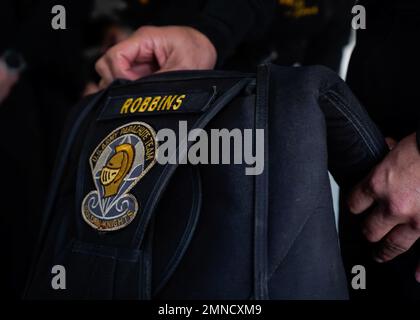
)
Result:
{"points": [[152, 49], [392, 191], [7, 81]]}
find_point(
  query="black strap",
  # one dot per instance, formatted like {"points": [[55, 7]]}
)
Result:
{"points": [[188, 232], [166, 175], [261, 190], [169, 169]]}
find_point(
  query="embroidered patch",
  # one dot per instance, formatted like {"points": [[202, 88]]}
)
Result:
{"points": [[157, 103], [117, 165]]}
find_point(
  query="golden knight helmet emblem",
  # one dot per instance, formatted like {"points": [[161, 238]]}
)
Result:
{"points": [[116, 169]]}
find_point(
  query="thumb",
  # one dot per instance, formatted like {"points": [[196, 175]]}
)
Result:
{"points": [[174, 62], [361, 198]]}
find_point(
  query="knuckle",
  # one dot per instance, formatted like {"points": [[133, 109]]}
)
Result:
{"points": [[145, 29], [370, 234], [115, 56], [111, 55], [99, 65], [352, 205], [375, 183], [400, 207]]}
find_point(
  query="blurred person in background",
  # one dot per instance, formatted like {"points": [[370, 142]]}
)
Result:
{"points": [[302, 32], [290, 32], [383, 73], [40, 79]]}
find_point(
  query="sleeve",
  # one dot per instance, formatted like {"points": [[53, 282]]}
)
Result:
{"points": [[328, 48], [228, 23]]}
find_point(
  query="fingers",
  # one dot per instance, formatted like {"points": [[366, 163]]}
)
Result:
{"points": [[378, 223], [151, 49], [397, 241], [90, 88], [361, 199], [104, 70], [144, 69], [132, 58], [394, 223], [111, 67], [123, 67], [115, 64]]}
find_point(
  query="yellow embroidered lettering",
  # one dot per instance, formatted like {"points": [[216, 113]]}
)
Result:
{"points": [[154, 103], [179, 101], [126, 105], [145, 104], [135, 105]]}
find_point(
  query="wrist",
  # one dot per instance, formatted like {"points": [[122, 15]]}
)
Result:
{"points": [[202, 40]]}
